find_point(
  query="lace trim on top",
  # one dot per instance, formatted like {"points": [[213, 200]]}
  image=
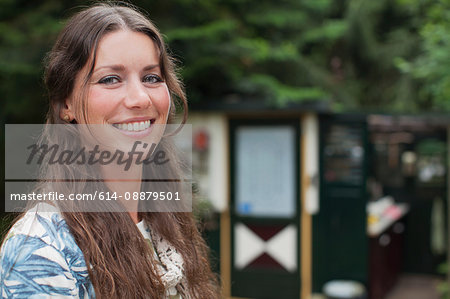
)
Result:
{"points": [[171, 266]]}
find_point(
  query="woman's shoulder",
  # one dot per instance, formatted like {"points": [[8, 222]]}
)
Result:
{"points": [[40, 256], [43, 222], [41, 231]]}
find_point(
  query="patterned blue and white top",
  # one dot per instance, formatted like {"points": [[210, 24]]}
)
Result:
{"points": [[40, 259]]}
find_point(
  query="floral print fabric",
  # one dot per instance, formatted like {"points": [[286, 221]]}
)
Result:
{"points": [[40, 259]]}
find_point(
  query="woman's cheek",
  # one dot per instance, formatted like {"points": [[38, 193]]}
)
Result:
{"points": [[164, 102], [100, 103]]}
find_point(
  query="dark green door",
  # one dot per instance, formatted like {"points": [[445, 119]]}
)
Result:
{"points": [[340, 243], [264, 209]]}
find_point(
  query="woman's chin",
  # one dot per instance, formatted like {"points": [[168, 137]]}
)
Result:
{"points": [[109, 140]]}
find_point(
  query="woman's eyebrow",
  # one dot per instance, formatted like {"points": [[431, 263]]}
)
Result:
{"points": [[120, 67], [151, 67], [114, 67]]}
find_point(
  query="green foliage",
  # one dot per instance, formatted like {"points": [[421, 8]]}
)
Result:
{"points": [[368, 55], [281, 93], [443, 287], [250, 49], [432, 65], [27, 31], [211, 31], [347, 52]]}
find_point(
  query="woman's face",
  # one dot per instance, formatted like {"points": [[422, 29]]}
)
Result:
{"points": [[126, 89]]}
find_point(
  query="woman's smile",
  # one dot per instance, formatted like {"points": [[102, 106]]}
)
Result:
{"points": [[133, 126], [137, 128]]}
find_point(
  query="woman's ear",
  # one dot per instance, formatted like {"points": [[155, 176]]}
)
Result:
{"points": [[66, 111]]}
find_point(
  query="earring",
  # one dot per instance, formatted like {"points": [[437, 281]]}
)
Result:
{"points": [[66, 117]]}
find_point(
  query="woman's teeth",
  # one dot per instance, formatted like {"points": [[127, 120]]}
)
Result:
{"points": [[134, 126]]}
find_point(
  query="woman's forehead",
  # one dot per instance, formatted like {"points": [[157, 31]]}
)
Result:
{"points": [[127, 46]]}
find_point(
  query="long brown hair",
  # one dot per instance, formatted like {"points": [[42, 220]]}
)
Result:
{"points": [[119, 260]]}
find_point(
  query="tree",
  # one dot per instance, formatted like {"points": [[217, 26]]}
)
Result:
{"points": [[344, 52], [431, 67], [356, 55], [27, 31]]}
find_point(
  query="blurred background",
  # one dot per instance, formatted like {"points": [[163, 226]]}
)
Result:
{"points": [[320, 136]]}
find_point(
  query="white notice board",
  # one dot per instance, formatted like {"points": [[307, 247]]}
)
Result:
{"points": [[266, 171]]}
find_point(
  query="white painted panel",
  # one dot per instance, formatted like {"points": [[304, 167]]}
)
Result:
{"points": [[283, 248], [310, 125], [247, 246], [214, 183]]}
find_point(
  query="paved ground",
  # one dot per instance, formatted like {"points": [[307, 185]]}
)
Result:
{"points": [[412, 286]]}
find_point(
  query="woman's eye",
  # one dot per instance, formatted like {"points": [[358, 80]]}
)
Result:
{"points": [[152, 79], [109, 80]]}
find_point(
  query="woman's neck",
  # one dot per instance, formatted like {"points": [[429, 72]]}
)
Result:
{"points": [[124, 183]]}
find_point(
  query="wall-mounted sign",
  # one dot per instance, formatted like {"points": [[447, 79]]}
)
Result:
{"points": [[265, 162]]}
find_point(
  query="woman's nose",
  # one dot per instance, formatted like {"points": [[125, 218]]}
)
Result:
{"points": [[137, 96]]}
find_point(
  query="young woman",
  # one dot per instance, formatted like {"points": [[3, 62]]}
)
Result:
{"points": [[109, 66]]}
